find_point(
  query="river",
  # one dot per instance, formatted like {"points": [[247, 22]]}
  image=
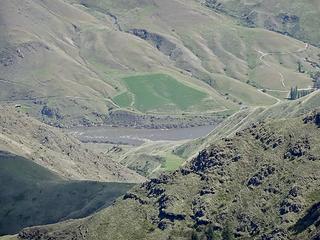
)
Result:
{"points": [[136, 137]]}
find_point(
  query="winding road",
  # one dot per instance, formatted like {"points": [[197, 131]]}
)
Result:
{"points": [[263, 55]]}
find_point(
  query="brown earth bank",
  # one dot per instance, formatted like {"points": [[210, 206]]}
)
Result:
{"points": [[122, 118]]}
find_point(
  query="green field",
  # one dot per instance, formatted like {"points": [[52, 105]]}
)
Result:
{"points": [[123, 100], [173, 162], [158, 92]]}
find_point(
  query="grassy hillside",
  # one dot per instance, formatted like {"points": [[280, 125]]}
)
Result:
{"points": [[151, 159], [219, 46], [31, 195], [101, 43], [57, 151], [245, 187], [296, 18], [245, 117]]}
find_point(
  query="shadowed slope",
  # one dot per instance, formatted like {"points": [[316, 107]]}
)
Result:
{"points": [[31, 195]]}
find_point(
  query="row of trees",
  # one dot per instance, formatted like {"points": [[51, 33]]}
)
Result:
{"points": [[316, 79], [295, 93]]}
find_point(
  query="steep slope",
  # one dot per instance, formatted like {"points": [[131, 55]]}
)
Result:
{"points": [[40, 35], [245, 117], [249, 186], [152, 158], [56, 151], [40, 62], [295, 18], [31, 195], [73, 62], [209, 43]]}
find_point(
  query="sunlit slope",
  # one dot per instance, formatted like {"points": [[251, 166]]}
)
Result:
{"points": [[246, 117], [204, 42], [72, 56], [60, 153], [295, 18], [66, 60]]}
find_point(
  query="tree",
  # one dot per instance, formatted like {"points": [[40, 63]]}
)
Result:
{"points": [[293, 93], [194, 236], [211, 234], [300, 67], [227, 233], [317, 82]]}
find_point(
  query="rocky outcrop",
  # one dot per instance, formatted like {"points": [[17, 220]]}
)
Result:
{"points": [[286, 23], [163, 44], [246, 225], [213, 4], [277, 234], [272, 189], [51, 113], [163, 214], [268, 139], [206, 160], [286, 18], [292, 203], [162, 179], [167, 214], [200, 210], [216, 157], [313, 118], [32, 234], [298, 149], [156, 191], [10, 55], [289, 206], [206, 191], [258, 178], [134, 197]]}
